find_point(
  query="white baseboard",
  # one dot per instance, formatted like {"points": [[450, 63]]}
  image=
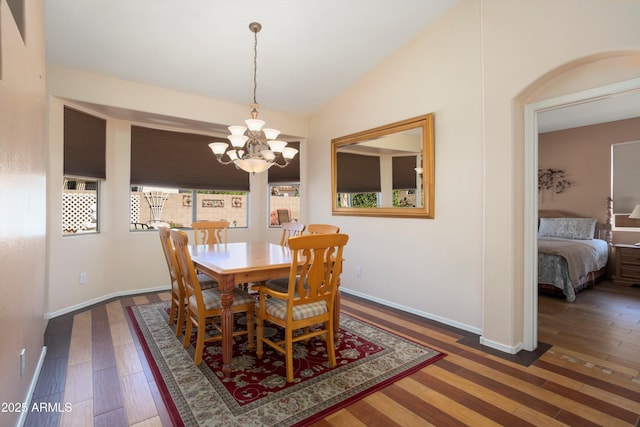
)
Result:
{"points": [[32, 387], [501, 347], [100, 299], [426, 315]]}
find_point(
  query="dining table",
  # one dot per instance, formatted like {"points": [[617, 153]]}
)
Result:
{"points": [[234, 264]]}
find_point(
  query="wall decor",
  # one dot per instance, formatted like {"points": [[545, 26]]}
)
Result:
{"points": [[553, 181], [212, 203]]}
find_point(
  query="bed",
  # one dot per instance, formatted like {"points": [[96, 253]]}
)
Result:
{"points": [[571, 254]]}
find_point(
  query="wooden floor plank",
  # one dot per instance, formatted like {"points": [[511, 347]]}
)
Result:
{"points": [[589, 377]]}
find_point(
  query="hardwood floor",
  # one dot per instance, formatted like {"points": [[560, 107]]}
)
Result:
{"points": [[590, 376]]}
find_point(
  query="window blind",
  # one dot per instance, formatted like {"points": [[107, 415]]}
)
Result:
{"points": [[289, 173], [181, 160], [84, 144], [358, 173], [404, 172]]}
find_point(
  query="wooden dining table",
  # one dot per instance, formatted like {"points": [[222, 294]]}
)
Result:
{"points": [[234, 264]]}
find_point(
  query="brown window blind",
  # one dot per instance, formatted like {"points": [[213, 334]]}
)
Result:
{"points": [[84, 144], [404, 172], [358, 173], [289, 173], [180, 160]]}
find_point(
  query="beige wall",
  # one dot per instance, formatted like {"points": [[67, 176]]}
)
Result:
{"points": [[23, 150], [476, 68], [584, 153]]}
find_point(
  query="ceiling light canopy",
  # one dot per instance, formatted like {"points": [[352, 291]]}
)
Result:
{"points": [[253, 148]]}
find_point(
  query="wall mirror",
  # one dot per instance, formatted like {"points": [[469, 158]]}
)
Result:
{"points": [[386, 171]]}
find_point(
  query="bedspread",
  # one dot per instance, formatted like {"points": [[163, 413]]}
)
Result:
{"points": [[581, 257]]}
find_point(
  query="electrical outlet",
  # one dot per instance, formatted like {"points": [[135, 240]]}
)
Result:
{"points": [[358, 271], [83, 278]]}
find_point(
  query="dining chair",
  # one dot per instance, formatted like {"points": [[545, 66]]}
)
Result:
{"points": [[322, 228], [206, 305], [309, 299], [290, 229], [178, 301], [210, 232]]}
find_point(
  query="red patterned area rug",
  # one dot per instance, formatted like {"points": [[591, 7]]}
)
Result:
{"points": [[257, 393]]}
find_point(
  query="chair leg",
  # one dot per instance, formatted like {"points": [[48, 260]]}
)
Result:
{"points": [[199, 341], [172, 311], [331, 349], [180, 321], [250, 320], [288, 345], [187, 332], [259, 335]]}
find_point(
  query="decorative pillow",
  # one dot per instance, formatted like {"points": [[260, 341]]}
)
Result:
{"points": [[567, 228]]}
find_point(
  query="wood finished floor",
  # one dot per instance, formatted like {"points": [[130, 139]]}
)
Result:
{"points": [[589, 377]]}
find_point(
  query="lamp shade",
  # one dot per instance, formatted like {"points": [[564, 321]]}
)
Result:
{"points": [[635, 214]]}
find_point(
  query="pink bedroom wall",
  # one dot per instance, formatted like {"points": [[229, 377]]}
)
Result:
{"points": [[584, 154]]}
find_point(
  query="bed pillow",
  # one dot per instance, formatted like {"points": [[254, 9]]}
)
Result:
{"points": [[567, 228]]}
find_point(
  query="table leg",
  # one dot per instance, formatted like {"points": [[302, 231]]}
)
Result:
{"points": [[226, 286]]}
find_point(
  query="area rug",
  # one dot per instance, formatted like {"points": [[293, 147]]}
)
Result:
{"points": [[257, 393]]}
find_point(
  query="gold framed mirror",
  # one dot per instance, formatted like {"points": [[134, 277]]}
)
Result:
{"points": [[385, 171]]}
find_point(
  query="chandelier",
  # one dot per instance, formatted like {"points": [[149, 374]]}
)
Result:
{"points": [[258, 149]]}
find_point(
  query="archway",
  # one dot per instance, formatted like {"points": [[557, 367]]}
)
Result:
{"points": [[531, 110]]}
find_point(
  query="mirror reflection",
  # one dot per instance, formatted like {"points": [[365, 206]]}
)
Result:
{"points": [[386, 171]]}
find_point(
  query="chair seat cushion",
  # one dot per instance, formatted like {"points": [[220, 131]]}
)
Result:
{"points": [[278, 308], [206, 282], [280, 285], [212, 298]]}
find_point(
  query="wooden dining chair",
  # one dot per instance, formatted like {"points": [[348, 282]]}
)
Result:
{"points": [[206, 305], [309, 299], [178, 301], [210, 232], [290, 229], [322, 229]]}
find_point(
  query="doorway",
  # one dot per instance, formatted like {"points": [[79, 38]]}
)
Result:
{"points": [[531, 111]]}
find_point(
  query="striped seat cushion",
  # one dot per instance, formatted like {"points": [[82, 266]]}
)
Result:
{"points": [[206, 282], [213, 298], [278, 308]]}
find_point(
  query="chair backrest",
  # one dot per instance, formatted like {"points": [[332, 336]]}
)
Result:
{"points": [[322, 229], [210, 232], [317, 258], [290, 229], [185, 264], [283, 216], [170, 257]]}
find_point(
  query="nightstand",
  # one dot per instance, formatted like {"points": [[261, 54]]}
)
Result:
{"points": [[627, 259]]}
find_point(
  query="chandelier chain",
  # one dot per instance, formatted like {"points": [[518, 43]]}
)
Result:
{"points": [[255, 66]]}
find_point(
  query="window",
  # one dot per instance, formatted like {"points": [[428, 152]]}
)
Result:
{"points": [[625, 176], [175, 179], [178, 207], [284, 203], [284, 191], [84, 169]]}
